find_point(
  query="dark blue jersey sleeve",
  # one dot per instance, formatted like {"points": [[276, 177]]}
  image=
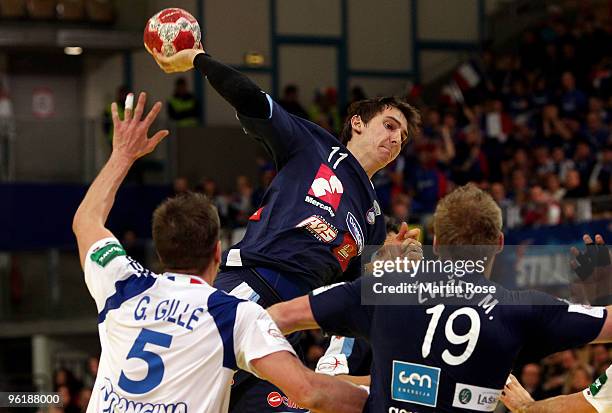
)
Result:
{"points": [[338, 310], [557, 325], [282, 134]]}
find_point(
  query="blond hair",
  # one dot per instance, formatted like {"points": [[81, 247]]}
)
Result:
{"points": [[467, 216]]}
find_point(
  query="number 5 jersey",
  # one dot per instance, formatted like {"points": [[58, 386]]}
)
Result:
{"points": [[170, 342]]}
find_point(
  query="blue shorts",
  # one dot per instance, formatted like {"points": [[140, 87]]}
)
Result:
{"points": [[267, 287]]}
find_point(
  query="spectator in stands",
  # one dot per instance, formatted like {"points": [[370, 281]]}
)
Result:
{"points": [[543, 162], [291, 101], [518, 192], [498, 192], [84, 396], [180, 185], [241, 205], [208, 187], [540, 94], [400, 208], [183, 107], [427, 183], [68, 401], [324, 111], [599, 181], [91, 370], [531, 379], [600, 359], [553, 130], [470, 163], [572, 101], [573, 185], [584, 163], [135, 247], [553, 186], [541, 209], [518, 102], [562, 165], [356, 94], [580, 378], [595, 131]]}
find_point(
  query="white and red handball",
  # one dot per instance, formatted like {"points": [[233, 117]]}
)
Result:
{"points": [[170, 31]]}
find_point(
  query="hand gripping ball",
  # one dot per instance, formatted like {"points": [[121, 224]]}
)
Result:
{"points": [[170, 31]]}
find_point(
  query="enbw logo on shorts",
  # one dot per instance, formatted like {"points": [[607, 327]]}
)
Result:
{"points": [[415, 383]]}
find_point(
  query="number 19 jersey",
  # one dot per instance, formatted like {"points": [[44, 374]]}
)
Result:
{"points": [[170, 342], [444, 357]]}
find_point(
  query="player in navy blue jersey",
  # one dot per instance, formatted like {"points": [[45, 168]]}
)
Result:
{"points": [[319, 212], [446, 355]]}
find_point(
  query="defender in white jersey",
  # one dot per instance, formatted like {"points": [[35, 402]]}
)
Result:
{"points": [[171, 342]]}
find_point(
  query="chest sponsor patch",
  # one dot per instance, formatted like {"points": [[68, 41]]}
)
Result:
{"points": [[415, 383], [477, 398], [319, 228], [356, 231], [326, 187], [107, 253]]}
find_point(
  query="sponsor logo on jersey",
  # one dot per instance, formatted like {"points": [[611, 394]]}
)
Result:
{"points": [[275, 399], [477, 398], [111, 401], [107, 253], [598, 384], [345, 251], [373, 213], [356, 232], [398, 410], [327, 187], [415, 383], [271, 333], [319, 228], [256, 215], [333, 364]]}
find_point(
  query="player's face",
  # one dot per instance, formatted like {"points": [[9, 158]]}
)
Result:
{"points": [[384, 135]]}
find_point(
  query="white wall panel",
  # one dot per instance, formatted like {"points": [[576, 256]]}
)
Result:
{"points": [[311, 17], [380, 86], [379, 35], [102, 77], [235, 27], [448, 20], [221, 113], [309, 67], [436, 63]]}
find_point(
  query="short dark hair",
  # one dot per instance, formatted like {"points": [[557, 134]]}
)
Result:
{"points": [[368, 108], [186, 231]]}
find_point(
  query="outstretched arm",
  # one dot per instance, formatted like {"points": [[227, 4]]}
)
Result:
{"points": [[518, 400], [317, 392], [293, 315], [240, 92], [130, 142]]}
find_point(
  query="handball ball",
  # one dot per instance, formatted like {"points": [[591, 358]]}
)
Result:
{"points": [[170, 31]]}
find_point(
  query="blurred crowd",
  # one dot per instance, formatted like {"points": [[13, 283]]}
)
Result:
{"points": [[532, 126], [566, 372], [74, 391]]}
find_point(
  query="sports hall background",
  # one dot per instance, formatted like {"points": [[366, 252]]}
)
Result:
{"points": [[515, 96]]}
